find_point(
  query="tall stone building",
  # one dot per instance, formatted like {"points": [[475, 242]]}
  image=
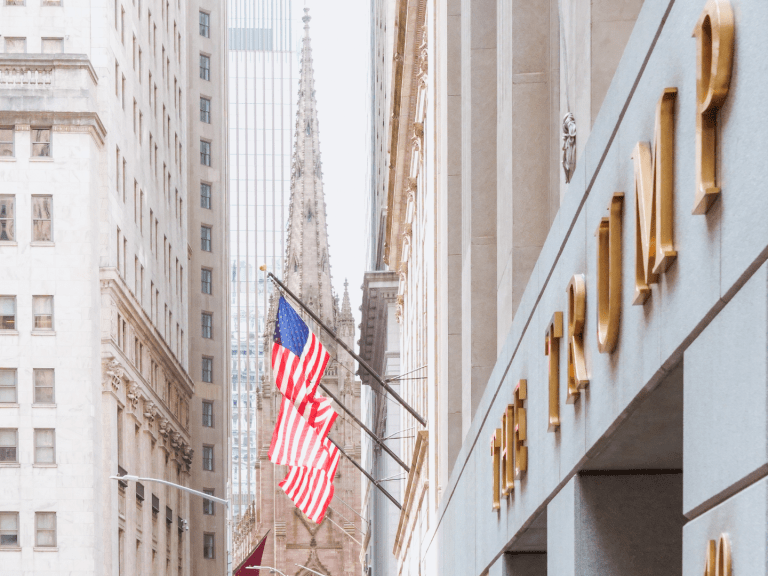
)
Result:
{"points": [[95, 376], [329, 547]]}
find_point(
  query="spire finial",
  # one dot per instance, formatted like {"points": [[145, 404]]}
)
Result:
{"points": [[306, 18]]}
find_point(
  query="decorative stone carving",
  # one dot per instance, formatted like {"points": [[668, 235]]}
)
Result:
{"points": [[175, 440], [569, 146], [150, 411], [113, 375], [164, 428], [187, 454], [133, 395]]}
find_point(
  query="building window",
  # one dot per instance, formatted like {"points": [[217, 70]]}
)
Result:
{"points": [[208, 505], [205, 66], [8, 386], [205, 238], [45, 529], [205, 110], [43, 386], [207, 370], [45, 446], [205, 153], [7, 218], [41, 142], [51, 2], [205, 278], [8, 439], [42, 309], [205, 25], [15, 45], [42, 218], [208, 546], [207, 458], [6, 142], [7, 312], [14, 2], [9, 529], [207, 412], [205, 195], [207, 324], [53, 45]]}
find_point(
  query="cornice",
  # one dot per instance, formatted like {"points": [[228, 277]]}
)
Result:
{"points": [[10, 63], [83, 122]]}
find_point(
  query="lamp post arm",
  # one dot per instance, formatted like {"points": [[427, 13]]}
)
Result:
{"points": [[264, 568], [179, 486], [310, 569]]}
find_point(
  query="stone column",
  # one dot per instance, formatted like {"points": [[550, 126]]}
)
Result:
{"points": [[478, 194]]}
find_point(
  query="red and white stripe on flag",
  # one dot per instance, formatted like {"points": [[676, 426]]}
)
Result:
{"points": [[295, 442], [320, 414], [311, 490], [297, 377]]}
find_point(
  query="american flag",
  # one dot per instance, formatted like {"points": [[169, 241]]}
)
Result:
{"points": [[296, 443], [311, 489]]}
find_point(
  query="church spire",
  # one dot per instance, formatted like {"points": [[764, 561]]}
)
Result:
{"points": [[307, 267]]}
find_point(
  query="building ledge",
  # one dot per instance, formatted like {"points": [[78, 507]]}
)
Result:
{"points": [[9, 404], [413, 487], [38, 68]]}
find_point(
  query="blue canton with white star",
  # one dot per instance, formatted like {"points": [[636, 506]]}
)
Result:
{"points": [[290, 330]]}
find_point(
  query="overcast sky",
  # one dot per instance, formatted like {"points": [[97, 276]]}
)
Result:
{"points": [[340, 34]]}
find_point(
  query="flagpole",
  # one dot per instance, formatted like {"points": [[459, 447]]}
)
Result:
{"points": [[375, 438], [343, 344], [367, 475]]}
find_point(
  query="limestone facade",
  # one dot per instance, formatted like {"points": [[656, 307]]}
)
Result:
{"points": [[93, 350], [487, 230]]}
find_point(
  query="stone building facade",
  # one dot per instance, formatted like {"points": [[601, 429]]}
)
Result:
{"points": [[571, 205], [94, 252], [331, 547]]}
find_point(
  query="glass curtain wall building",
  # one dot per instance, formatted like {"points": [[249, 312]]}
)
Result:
{"points": [[264, 51]]}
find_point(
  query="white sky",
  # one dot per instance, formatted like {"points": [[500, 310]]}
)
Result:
{"points": [[340, 32]]}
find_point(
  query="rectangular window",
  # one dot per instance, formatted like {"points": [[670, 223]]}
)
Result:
{"points": [[45, 529], [8, 439], [9, 529], [42, 218], [205, 25], [207, 324], [6, 142], [7, 218], [8, 394], [205, 238], [207, 458], [205, 110], [15, 45], [45, 446], [44, 386], [41, 142], [7, 312], [207, 414], [208, 546], [207, 371], [205, 280], [42, 309], [205, 66], [51, 2], [14, 2], [53, 45], [205, 195], [208, 505], [205, 153]]}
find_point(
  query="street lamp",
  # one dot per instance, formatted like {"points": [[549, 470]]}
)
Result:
{"points": [[310, 569], [271, 570], [130, 477]]}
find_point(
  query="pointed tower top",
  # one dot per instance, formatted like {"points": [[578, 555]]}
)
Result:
{"points": [[307, 265], [346, 307]]}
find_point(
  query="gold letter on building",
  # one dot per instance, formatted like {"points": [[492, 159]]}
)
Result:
{"points": [[577, 365], [521, 428], [552, 349], [495, 453], [714, 61], [609, 276], [654, 188], [718, 558], [507, 450]]}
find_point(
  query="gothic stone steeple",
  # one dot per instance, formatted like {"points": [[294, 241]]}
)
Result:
{"points": [[307, 268]]}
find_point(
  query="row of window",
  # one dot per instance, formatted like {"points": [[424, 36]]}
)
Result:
{"points": [[18, 45], [41, 141], [42, 218], [45, 446], [42, 312], [43, 382], [42, 2], [45, 530]]}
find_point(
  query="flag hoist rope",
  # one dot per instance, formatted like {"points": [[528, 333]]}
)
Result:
{"points": [[343, 344]]}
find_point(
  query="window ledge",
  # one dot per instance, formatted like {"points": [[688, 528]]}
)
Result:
{"points": [[42, 243], [10, 548], [9, 404], [9, 332], [44, 465], [46, 549], [43, 332], [10, 465], [41, 159], [7, 159], [8, 243], [40, 405]]}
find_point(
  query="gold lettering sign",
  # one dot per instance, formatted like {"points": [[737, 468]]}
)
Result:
{"points": [[654, 188], [495, 453], [507, 450], [552, 349], [577, 364], [521, 430], [609, 276], [718, 558], [714, 61]]}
